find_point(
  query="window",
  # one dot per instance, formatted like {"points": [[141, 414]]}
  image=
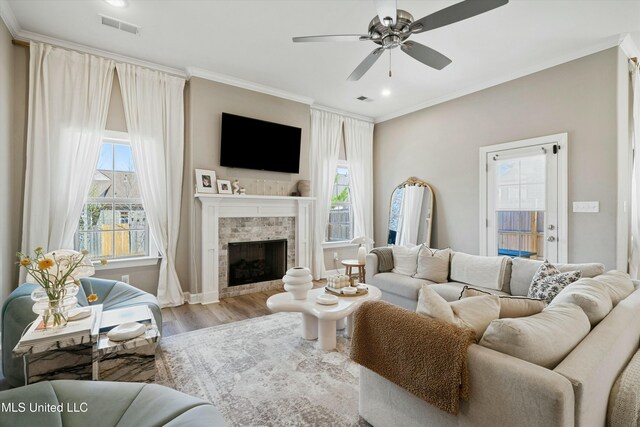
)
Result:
{"points": [[340, 226], [113, 223]]}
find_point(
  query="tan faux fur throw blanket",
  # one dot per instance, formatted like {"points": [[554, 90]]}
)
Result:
{"points": [[425, 356]]}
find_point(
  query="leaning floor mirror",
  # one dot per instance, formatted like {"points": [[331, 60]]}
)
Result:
{"points": [[410, 213]]}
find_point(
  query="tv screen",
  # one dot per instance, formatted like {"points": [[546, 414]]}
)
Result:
{"points": [[255, 144]]}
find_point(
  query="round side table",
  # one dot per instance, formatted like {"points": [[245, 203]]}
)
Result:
{"points": [[349, 264]]}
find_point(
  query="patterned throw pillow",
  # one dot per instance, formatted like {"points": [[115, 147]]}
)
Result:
{"points": [[549, 281]]}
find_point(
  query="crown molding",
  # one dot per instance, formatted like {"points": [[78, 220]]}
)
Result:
{"points": [[342, 113], [246, 84], [629, 47], [6, 14], [576, 54], [28, 36]]}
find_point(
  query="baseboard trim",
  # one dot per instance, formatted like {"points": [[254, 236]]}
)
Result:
{"points": [[201, 298]]}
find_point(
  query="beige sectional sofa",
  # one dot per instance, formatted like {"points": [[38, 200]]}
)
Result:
{"points": [[505, 390]]}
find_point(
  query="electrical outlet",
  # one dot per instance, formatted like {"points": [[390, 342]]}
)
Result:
{"points": [[125, 278]]}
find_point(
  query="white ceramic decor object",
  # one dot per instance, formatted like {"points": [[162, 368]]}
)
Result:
{"points": [[79, 313], [349, 290], [297, 281], [326, 299], [126, 331]]}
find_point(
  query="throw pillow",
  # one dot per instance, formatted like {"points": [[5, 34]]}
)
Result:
{"points": [[433, 264], [588, 294], [545, 338], [510, 306], [618, 284], [548, 282], [470, 313], [405, 259]]}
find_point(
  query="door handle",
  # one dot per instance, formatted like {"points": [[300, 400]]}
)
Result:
{"points": [[551, 227], [551, 239]]}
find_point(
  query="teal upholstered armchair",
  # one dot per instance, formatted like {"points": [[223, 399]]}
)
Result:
{"points": [[17, 314]]}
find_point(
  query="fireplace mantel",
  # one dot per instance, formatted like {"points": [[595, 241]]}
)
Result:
{"points": [[216, 206]]}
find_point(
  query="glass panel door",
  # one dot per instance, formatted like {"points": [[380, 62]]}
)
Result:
{"points": [[522, 202]]}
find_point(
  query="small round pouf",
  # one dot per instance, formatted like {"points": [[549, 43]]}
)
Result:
{"points": [[297, 281]]}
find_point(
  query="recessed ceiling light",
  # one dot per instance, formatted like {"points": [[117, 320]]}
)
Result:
{"points": [[117, 3], [385, 92]]}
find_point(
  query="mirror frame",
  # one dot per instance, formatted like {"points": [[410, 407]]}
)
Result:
{"points": [[412, 181]]}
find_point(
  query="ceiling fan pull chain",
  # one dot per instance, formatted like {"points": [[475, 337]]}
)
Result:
{"points": [[389, 62]]}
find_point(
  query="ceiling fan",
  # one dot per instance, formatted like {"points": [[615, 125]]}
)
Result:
{"points": [[392, 27]]}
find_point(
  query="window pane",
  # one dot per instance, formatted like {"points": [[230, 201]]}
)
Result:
{"points": [[105, 161], [96, 216], [126, 185], [340, 225], [130, 243], [102, 184], [99, 244], [132, 215], [123, 161]]}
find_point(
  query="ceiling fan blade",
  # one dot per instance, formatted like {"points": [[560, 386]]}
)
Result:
{"points": [[386, 9], [332, 38], [455, 13], [426, 55], [366, 64]]}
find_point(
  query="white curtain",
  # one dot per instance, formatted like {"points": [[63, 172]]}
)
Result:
{"points": [[634, 257], [154, 111], [358, 139], [409, 218], [326, 132], [68, 103]]}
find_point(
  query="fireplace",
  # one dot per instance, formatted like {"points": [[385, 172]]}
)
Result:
{"points": [[256, 261]]}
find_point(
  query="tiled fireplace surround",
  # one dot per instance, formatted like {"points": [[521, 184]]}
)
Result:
{"points": [[233, 218]]}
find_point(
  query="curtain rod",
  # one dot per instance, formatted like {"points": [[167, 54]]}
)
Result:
{"points": [[20, 43]]}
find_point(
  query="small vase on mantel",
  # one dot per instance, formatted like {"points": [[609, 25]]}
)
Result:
{"points": [[304, 188], [298, 282]]}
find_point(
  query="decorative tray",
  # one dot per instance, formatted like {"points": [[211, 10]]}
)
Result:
{"points": [[338, 292]]}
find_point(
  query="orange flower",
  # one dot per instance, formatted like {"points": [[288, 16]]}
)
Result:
{"points": [[25, 261], [92, 298], [46, 263]]}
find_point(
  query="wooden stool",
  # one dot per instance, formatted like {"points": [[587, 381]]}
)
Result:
{"points": [[349, 264]]}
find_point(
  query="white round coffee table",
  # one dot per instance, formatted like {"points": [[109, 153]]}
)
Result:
{"points": [[321, 321]]}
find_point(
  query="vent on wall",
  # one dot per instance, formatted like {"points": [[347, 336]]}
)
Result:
{"points": [[119, 25], [364, 99]]}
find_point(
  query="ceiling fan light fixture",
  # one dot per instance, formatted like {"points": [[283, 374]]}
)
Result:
{"points": [[117, 3]]}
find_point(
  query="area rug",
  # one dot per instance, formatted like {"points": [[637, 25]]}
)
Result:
{"points": [[260, 372]]}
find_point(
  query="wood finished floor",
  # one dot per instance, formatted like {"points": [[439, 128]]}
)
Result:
{"points": [[189, 317]]}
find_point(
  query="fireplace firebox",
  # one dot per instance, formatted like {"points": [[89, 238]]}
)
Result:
{"points": [[259, 261]]}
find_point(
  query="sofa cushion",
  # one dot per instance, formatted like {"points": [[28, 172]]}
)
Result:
{"points": [[471, 313], [523, 270], [433, 264], [398, 284], [509, 306], [588, 294], [544, 338], [548, 282], [618, 284], [483, 271], [405, 259], [451, 290]]}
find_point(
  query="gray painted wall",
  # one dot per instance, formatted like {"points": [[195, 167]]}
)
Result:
{"points": [[13, 102], [441, 145], [205, 102]]}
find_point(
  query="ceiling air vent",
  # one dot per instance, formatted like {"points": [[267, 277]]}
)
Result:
{"points": [[119, 25], [364, 99]]}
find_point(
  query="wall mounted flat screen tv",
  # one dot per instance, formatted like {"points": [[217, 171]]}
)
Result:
{"points": [[255, 144]]}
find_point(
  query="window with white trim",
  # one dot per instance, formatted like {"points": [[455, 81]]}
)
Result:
{"points": [[340, 224], [113, 224]]}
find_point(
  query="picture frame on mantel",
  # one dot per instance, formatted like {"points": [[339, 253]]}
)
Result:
{"points": [[224, 186], [206, 181]]}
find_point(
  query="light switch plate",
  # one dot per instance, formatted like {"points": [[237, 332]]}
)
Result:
{"points": [[586, 207]]}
